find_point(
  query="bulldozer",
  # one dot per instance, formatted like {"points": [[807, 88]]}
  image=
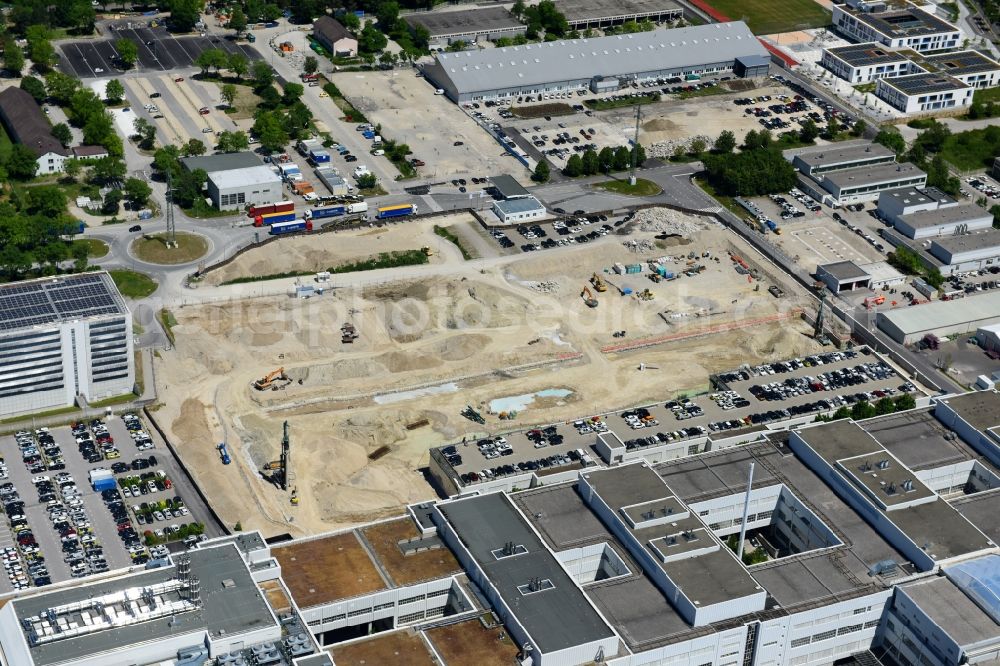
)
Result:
{"points": [[646, 295], [588, 297], [268, 381], [598, 283]]}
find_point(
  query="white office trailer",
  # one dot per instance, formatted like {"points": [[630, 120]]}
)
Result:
{"points": [[575, 64], [63, 340]]}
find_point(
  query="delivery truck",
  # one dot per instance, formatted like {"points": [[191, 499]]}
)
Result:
{"points": [[290, 227], [271, 218]]}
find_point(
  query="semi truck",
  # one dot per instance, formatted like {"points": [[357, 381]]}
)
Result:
{"points": [[271, 218], [290, 227], [335, 211], [399, 210], [265, 209]]}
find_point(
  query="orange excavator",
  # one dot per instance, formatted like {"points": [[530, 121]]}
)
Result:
{"points": [[588, 297], [267, 381]]}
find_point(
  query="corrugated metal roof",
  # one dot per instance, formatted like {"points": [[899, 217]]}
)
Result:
{"points": [[943, 314], [617, 55]]}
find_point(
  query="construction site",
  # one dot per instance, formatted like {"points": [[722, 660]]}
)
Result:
{"points": [[455, 349]]}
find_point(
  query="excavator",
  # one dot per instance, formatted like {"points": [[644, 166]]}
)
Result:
{"points": [[598, 283], [647, 295], [267, 381], [294, 499], [588, 297]]}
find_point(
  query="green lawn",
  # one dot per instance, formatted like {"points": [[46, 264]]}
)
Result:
{"points": [[642, 187], [133, 284], [770, 16], [972, 150], [984, 95], [95, 248], [153, 248]]}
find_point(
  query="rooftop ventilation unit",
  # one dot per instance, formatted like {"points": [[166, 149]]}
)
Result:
{"points": [[883, 464]]}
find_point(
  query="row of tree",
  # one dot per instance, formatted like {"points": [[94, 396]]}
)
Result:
{"points": [[607, 160]]}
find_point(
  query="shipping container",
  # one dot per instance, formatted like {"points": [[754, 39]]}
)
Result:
{"points": [[279, 207], [271, 218], [398, 210], [101, 485], [633, 268], [290, 227]]}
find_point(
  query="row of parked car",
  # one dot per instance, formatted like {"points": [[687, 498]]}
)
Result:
{"points": [[573, 457], [727, 400], [24, 561], [126, 531], [826, 381], [39, 451], [82, 552], [665, 437]]}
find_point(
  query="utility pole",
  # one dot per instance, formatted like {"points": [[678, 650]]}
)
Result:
{"points": [[169, 201], [635, 146]]}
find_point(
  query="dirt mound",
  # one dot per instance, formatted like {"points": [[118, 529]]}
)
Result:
{"points": [[659, 125], [328, 373], [400, 361], [461, 347]]}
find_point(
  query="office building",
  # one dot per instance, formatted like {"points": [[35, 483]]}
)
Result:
{"points": [[864, 63], [970, 67], [63, 339], [856, 172], [25, 123], [571, 65], [904, 27], [927, 92]]}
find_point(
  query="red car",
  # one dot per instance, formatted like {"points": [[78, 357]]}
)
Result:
{"points": [[203, 110], [178, 79]]}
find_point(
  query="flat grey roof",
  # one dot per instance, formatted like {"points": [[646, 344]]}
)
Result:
{"points": [[583, 59], [918, 439], [555, 618], [639, 612], [845, 270], [925, 83], [559, 514], [245, 177], [703, 477], [466, 21], [942, 314], [872, 175], [712, 578], [58, 299], [227, 609], [980, 409], [221, 162], [508, 187], [524, 205], [981, 510], [869, 53], [989, 238], [946, 215], [910, 196], [578, 11], [843, 154], [951, 609], [810, 576]]}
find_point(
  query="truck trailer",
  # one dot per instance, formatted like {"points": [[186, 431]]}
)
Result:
{"points": [[399, 210], [278, 207], [290, 227], [271, 218], [325, 211]]}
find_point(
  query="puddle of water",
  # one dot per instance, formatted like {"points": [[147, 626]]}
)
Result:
{"points": [[517, 403], [389, 398]]}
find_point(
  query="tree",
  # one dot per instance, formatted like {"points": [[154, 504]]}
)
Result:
{"points": [[541, 174], [272, 12], [697, 146], [269, 128], [892, 139], [371, 41], [114, 92], [237, 21], [137, 192], [884, 406], [40, 49], [165, 160], [62, 133], [34, 87], [72, 169], [216, 58], [61, 87], [832, 129], [590, 162], [128, 52], [111, 202], [194, 147], [387, 15], [146, 133], [350, 21], [859, 128], [49, 201], [367, 181], [574, 166], [605, 159], [188, 187], [238, 65], [862, 410], [269, 98], [518, 9], [22, 163], [262, 74], [905, 401], [228, 93], [13, 57], [623, 158], [232, 142], [292, 93], [809, 131], [183, 14], [297, 119], [310, 65], [750, 172], [725, 143], [108, 171], [421, 37]]}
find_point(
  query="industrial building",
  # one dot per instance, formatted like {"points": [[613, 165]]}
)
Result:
{"points": [[927, 92], [905, 27], [507, 187], [25, 123], [570, 65], [864, 63], [883, 275], [852, 173], [944, 221], [942, 318], [236, 180], [583, 14], [843, 276], [334, 37], [337, 185], [893, 204], [963, 252], [466, 25], [63, 339], [988, 337], [814, 162]]}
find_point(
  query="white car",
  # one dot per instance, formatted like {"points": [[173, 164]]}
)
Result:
{"points": [[439, 91]]}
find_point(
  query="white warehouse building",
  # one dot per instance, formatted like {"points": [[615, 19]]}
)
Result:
{"points": [[63, 338], [610, 62]]}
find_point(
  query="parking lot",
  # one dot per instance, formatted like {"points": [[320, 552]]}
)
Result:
{"points": [[745, 398], [158, 50], [570, 230], [180, 107], [58, 526]]}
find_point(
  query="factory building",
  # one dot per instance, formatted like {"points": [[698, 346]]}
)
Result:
{"points": [[927, 92], [906, 27], [864, 63], [578, 64], [466, 25], [942, 318], [62, 339], [963, 252], [944, 222], [843, 276], [237, 180], [583, 14]]}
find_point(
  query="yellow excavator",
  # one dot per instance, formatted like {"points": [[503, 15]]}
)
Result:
{"points": [[588, 297], [598, 283], [294, 499], [646, 295], [267, 381]]}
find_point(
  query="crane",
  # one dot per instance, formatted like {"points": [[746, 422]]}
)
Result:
{"points": [[588, 297]]}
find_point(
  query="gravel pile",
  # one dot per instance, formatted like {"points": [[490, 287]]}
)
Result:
{"points": [[665, 149], [667, 221], [545, 287]]}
